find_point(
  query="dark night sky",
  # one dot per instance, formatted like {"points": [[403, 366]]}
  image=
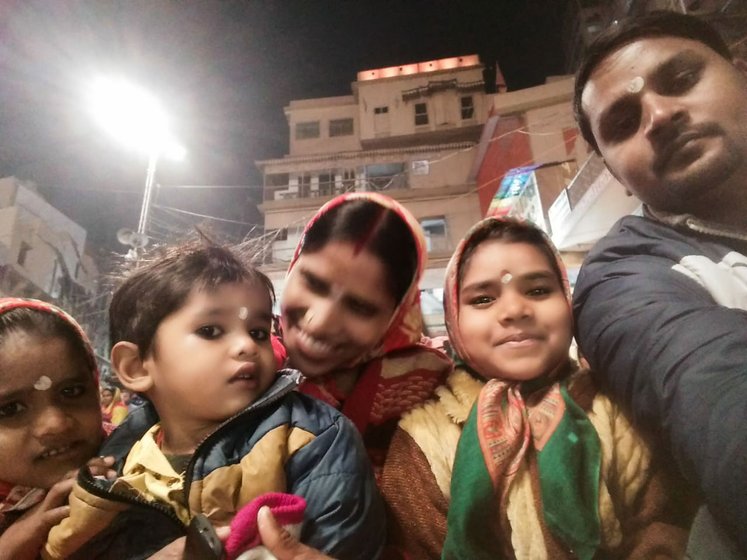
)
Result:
{"points": [[224, 69]]}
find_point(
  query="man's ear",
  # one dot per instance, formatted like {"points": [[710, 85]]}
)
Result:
{"points": [[130, 368]]}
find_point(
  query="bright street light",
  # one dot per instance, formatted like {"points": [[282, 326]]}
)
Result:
{"points": [[135, 118]]}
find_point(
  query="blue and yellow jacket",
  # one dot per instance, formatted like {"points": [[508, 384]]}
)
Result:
{"points": [[284, 442]]}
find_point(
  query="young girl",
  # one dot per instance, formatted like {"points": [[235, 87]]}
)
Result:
{"points": [[113, 408], [50, 421], [526, 457]]}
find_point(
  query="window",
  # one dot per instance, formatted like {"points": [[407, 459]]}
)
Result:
{"points": [[306, 130], [384, 176], [23, 253], [421, 114], [326, 184], [348, 180], [304, 186], [381, 110], [277, 234], [340, 127], [436, 238], [468, 107]]}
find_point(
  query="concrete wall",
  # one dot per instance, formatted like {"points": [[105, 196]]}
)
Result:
{"points": [[444, 109], [52, 241], [323, 110]]}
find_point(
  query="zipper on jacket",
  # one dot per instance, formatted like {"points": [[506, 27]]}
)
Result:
{"points": [[700, 228], [90, 486], [295, 379]]}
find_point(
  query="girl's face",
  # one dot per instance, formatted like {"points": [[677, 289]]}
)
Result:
{"points": [[50, 420], [106, 397], [514, 318], [336, 308]]}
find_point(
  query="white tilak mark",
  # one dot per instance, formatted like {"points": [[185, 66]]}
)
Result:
{"points": [[506, 278], [636, 84], [43, 383], [243, 313]]}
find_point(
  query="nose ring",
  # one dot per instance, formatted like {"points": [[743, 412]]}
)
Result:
{"points": [[309, 317]]}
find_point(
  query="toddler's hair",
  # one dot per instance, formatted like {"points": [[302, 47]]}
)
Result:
{"points": [[161, 283]]}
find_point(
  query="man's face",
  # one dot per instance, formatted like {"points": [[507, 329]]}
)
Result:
{"points": [[670, 118]]}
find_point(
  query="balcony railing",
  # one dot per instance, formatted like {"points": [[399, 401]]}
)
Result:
{"points": [[362, 184]]}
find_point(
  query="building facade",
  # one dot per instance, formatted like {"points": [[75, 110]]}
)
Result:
{"points": [[41, 250], [410, 131], [42, 256]]}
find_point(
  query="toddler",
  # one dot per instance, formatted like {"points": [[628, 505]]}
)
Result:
{"points": [[191, 333]]}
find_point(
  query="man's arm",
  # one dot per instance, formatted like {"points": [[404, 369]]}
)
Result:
{"points": [[678, 361]]}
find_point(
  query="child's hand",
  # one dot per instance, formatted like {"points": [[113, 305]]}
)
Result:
{"points": [[280, 542], [24, 539], [101, 466]]}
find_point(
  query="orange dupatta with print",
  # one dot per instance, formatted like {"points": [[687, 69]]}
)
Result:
{"points": [[402, 370]]}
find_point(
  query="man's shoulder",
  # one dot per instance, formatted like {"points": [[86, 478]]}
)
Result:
{"points": [[638, 235]]}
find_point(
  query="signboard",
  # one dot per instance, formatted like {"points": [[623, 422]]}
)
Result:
{"points": [[518, 197]]}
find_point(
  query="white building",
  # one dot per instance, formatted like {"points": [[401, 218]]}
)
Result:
{"points": [[41, 249]]}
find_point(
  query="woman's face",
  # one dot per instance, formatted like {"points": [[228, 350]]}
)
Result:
{"points": [[336, 308], [106, 397]]}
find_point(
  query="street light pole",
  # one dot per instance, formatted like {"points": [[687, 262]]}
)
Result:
{"points": [[135, 117], [150, 179]]}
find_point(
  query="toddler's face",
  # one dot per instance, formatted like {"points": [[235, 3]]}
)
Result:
{"points": [[213, 356], [514, 319], [51, 429]]}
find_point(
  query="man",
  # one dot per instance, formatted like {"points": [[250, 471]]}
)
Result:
{"points": [[661, 301]]}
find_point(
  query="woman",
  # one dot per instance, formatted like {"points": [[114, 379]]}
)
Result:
{"points": [[113, 410], [351, 317]]}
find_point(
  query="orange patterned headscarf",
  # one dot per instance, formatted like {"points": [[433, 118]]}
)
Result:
{"points": [[403, 369]]}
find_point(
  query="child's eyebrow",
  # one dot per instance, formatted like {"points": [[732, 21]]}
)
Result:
{"points": [[477, 286], [529, 276], [14, 394], [540, 275]]}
